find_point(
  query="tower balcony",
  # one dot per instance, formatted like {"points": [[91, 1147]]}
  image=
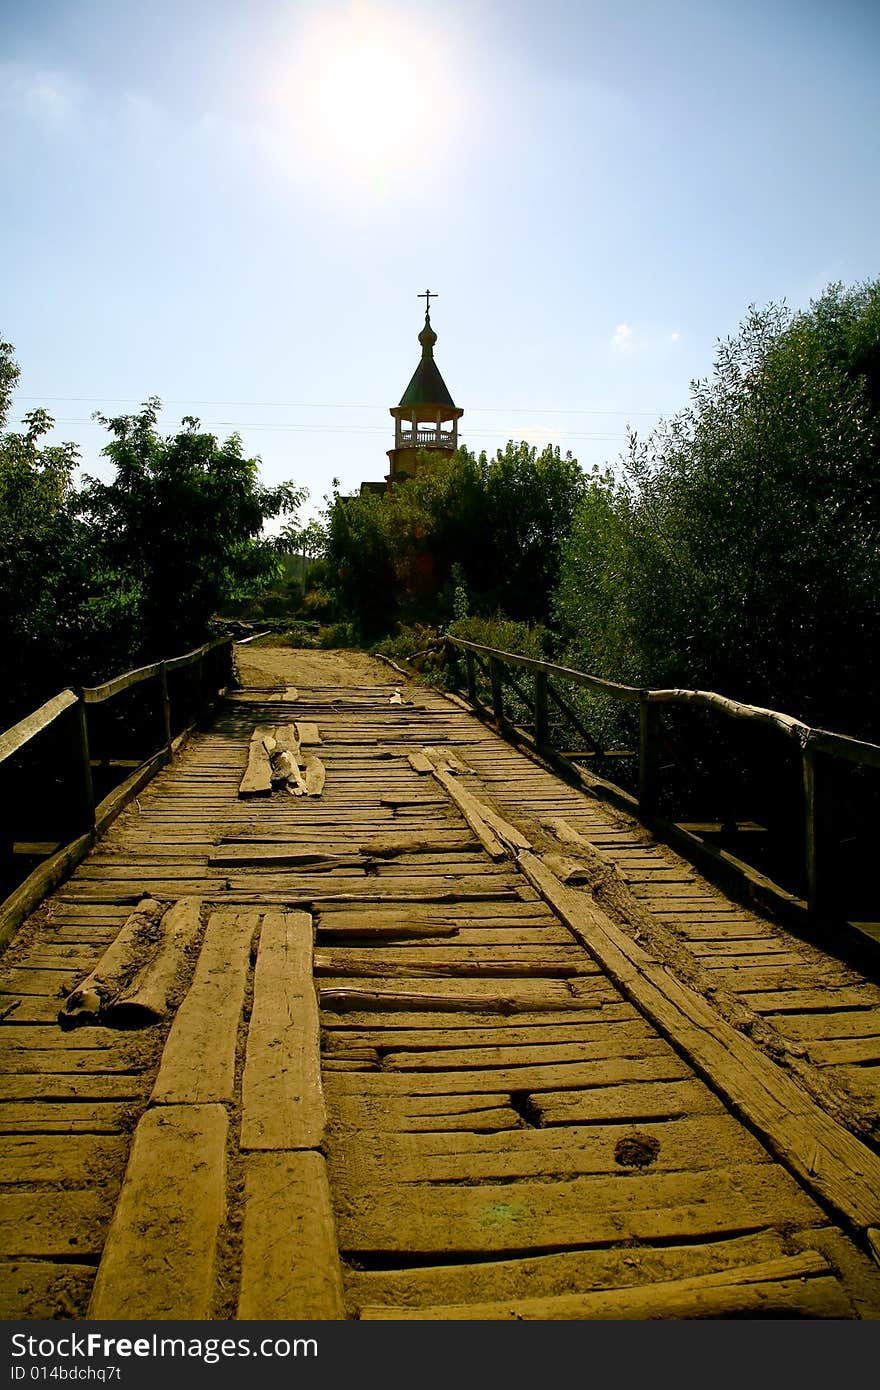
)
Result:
{"points": [[426, 438]]}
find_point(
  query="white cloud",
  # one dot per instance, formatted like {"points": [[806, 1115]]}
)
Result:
{"points": [[42, 94], [675, 337], [621, 337]]}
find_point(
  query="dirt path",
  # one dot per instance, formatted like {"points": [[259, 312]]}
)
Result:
{"points": [[281, 666]]}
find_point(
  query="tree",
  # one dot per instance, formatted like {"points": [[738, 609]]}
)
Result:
{"points": [[491, 528], [741, 551], [178, 532], [42, 551]]}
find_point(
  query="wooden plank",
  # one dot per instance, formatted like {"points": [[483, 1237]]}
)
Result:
{"points": [[282, 1100], [531, 1077], [198, 1063], [547, 1275], [71, 1159], [420, 763], [308, 734], [70, 1223], [32, 1289], [290, 1263], [315, 776], [831, 1162], [583, 1211], [665, 1146], [788, 1286], [159, 1257], [67, 1117], [64, 1086], [257, 779]]}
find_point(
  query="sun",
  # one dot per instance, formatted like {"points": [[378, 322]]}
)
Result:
{"points": [[368, 93]]}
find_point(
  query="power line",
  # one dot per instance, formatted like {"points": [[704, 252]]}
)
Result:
{"points": [[371, 430], [340, 405]]}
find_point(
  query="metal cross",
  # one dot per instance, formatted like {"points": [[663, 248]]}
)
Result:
{"points": [[428, 296]]}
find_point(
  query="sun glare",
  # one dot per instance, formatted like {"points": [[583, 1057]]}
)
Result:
{"points": [[368, 95]]}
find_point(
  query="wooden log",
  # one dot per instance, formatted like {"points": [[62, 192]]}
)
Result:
{"points": [[159, 1259], [116, 968], [148, 998], [282, 1101]]}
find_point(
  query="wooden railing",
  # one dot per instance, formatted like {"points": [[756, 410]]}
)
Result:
{"points": [[816, 748], [51, 760]]}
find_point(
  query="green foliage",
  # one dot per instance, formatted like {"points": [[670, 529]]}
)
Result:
{"points": [[741, 551], [91, 581], [179, 527], [464, 533], [43, 550]]}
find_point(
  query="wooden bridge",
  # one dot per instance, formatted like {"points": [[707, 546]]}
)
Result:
{"points": [[452, 1039]]}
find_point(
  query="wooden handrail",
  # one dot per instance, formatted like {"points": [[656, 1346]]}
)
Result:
{"points": [[96, 694], [820, 740], [814, 745], [86, 819], [14, 739]]}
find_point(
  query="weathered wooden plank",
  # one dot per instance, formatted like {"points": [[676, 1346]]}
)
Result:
{"points": [[685, 1145], [308, 734], [44, 1288], [315, 775], [789, 1286], [548, 1275], [68, 1117], [585, 1210], [531, 1077], [832, 1162], [290, 1262], [22, 1060], [198, 1064], [72, 1223], [282, 1099], [63, 1086], [71, 1159], [159, 1258], [257, 779]]}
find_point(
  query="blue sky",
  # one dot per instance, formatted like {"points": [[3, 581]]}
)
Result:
{"points": [[233, 206]]}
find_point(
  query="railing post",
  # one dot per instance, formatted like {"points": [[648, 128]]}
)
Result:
{"points": [[165, 706], [471, 665], [84, 793], [542, 724], [497, 692], [649, 729], [817, 831]]}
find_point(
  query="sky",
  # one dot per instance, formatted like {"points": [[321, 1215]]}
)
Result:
{"points": [[235, 206]]}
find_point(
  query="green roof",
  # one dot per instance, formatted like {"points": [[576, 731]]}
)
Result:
{"points": [[427, 386]]}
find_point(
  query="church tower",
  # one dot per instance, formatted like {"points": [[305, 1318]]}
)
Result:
{"points": [[427, 417]]}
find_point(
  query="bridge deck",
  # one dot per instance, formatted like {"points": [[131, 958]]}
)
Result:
{"points": [[502, 1132]]}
